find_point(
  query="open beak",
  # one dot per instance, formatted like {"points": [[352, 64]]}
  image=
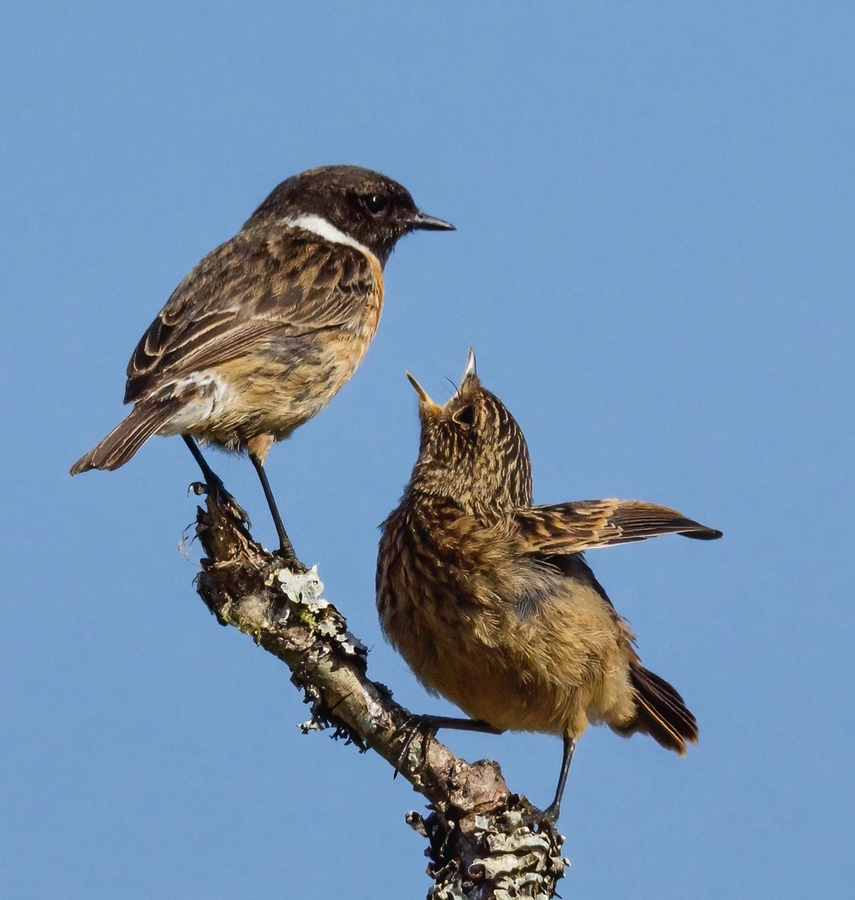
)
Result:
{"points": [[428, 223], [425, 401], [470, 370]]}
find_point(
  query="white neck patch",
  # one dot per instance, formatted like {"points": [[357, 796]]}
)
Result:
{"points": [[325, 229]]}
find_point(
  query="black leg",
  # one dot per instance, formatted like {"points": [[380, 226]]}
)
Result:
{"points": [[551, 812], [214, 484], [286, 548], [212, 480], [434, 723]]}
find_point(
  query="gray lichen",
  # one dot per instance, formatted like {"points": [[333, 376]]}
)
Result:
{"points": [[485, 842]]}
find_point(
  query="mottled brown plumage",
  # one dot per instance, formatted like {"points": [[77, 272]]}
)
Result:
{"points": [[268, 326], [489, 599]]}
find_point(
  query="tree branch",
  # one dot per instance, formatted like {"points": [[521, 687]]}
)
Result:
{"points": [[484, 841]]}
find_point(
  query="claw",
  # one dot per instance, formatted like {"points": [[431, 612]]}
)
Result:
{"points": [[413, 726], [225, 501], [429, 725], [214, 487]]}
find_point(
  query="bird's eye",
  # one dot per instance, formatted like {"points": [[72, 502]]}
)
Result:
{"points": [[374, 203], [465, 416]]}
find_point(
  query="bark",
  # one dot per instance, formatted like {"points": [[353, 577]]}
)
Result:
{"points": [[484, 841]]}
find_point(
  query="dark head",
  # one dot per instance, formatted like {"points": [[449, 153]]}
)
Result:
{"points": [[472, 450], [364, 205]]}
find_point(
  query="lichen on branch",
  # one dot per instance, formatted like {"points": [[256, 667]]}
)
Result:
{"points": [[484, 841]]}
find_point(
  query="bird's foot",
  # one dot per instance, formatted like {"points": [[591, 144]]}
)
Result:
{"points": [[289, 558], [428, 726], [415, 724], [551, 813], [216, 491], [286, 550]]}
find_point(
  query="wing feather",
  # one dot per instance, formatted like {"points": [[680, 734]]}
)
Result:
{"points": [[246, 293], [587, 524]]}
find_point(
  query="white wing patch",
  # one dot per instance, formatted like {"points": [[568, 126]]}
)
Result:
{"points": [[212, 396]]}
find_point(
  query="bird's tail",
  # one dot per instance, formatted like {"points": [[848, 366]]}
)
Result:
{"points": [[144, 420], [661, 711]]}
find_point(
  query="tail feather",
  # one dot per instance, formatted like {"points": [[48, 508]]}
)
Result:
{"points": [[144, 420], [661, 711]]}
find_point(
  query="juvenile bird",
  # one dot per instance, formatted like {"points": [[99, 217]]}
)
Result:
{"points": [[490, 601], [268, 326]]}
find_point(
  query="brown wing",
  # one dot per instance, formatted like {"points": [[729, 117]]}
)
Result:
{"points": [[254, 289], [576, 527]]}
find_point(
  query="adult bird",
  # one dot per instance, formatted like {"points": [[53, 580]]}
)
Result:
{"points": [[265, 330]]}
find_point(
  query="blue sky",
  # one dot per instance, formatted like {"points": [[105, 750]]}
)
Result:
{"points": [[654, 264]]}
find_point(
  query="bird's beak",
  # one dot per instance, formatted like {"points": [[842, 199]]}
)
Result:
{"points": [[470, 370], [422, 222], [425, 402]]}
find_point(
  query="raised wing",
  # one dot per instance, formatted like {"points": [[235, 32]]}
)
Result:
{"points": [[575, 527]]}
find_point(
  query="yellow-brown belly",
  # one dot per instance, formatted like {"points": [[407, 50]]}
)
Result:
{"points": [[553, 670], [277, 388]]}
